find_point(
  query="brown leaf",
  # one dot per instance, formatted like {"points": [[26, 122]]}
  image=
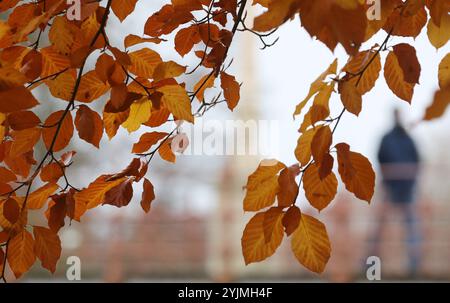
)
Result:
{"points": [[120, 195], [23, 120], [89, 125], [231, 90], [288, 191], [291, 219], [321, 142], [16, 99], [148, 195], [11, 210], [407, 59]]}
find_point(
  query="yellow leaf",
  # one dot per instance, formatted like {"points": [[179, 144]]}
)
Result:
{"points": [[21, 253], [61, 35], [167, 70], [439, 35], [310, 244], [262, 186], [91, 87], [205, 82], [316, 86], [319, 192], [303, 149], [351, 97], [52, 61], [176, 99], [144, 62], [439, 106], [140, 112], [254, 245], [370, 72], [444, 72]]}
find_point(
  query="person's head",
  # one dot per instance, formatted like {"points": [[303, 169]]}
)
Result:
{"points": [[397, 117]]}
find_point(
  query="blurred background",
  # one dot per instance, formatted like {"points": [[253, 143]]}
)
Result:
{"points": [[194, 229]]}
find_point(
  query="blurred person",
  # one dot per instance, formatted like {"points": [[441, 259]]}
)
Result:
{"points": [[399, 160]]}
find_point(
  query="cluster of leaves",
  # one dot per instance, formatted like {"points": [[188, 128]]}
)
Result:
{"points": [[141, 90], [343, 22]]}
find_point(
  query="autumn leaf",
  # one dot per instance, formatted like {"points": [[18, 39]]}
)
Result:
{"points": [[11, 210], [47, 247], [147, 140], [176, 100], [310, 244], [356, 172], [444, 72], [148, 195], [186, 39], [21, 254], [94, 195], [89, 125], [123, 8], [439, 105], [60, 123], [144, 62], [24, 140], [254, 245], [16, 99], [395, 78], [262, 186], [319, 192], [140, 112], [288, 191], [120, 195], [291, 220], [167, 70], [231, 90], [37, 199]]}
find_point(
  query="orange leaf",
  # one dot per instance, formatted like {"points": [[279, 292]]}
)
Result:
{"points": [[123, 8], [144, 62], [24, 140], [21, 254], [65, 132], [23, 120], [120, 195], [186, 38], [310, 244], [262, 186], [231, 89], [47, 247], [94, 195], [51, 172], [356, 172], [319, 192], [147, 140], [395, 78], [37, 199], [254, 245], [321, 142]]}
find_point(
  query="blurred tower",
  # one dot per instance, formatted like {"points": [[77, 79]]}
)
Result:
{"points": [[226, 262]]}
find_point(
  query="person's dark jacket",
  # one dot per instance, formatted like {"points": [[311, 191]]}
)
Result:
{"points": [[399, 159]]}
